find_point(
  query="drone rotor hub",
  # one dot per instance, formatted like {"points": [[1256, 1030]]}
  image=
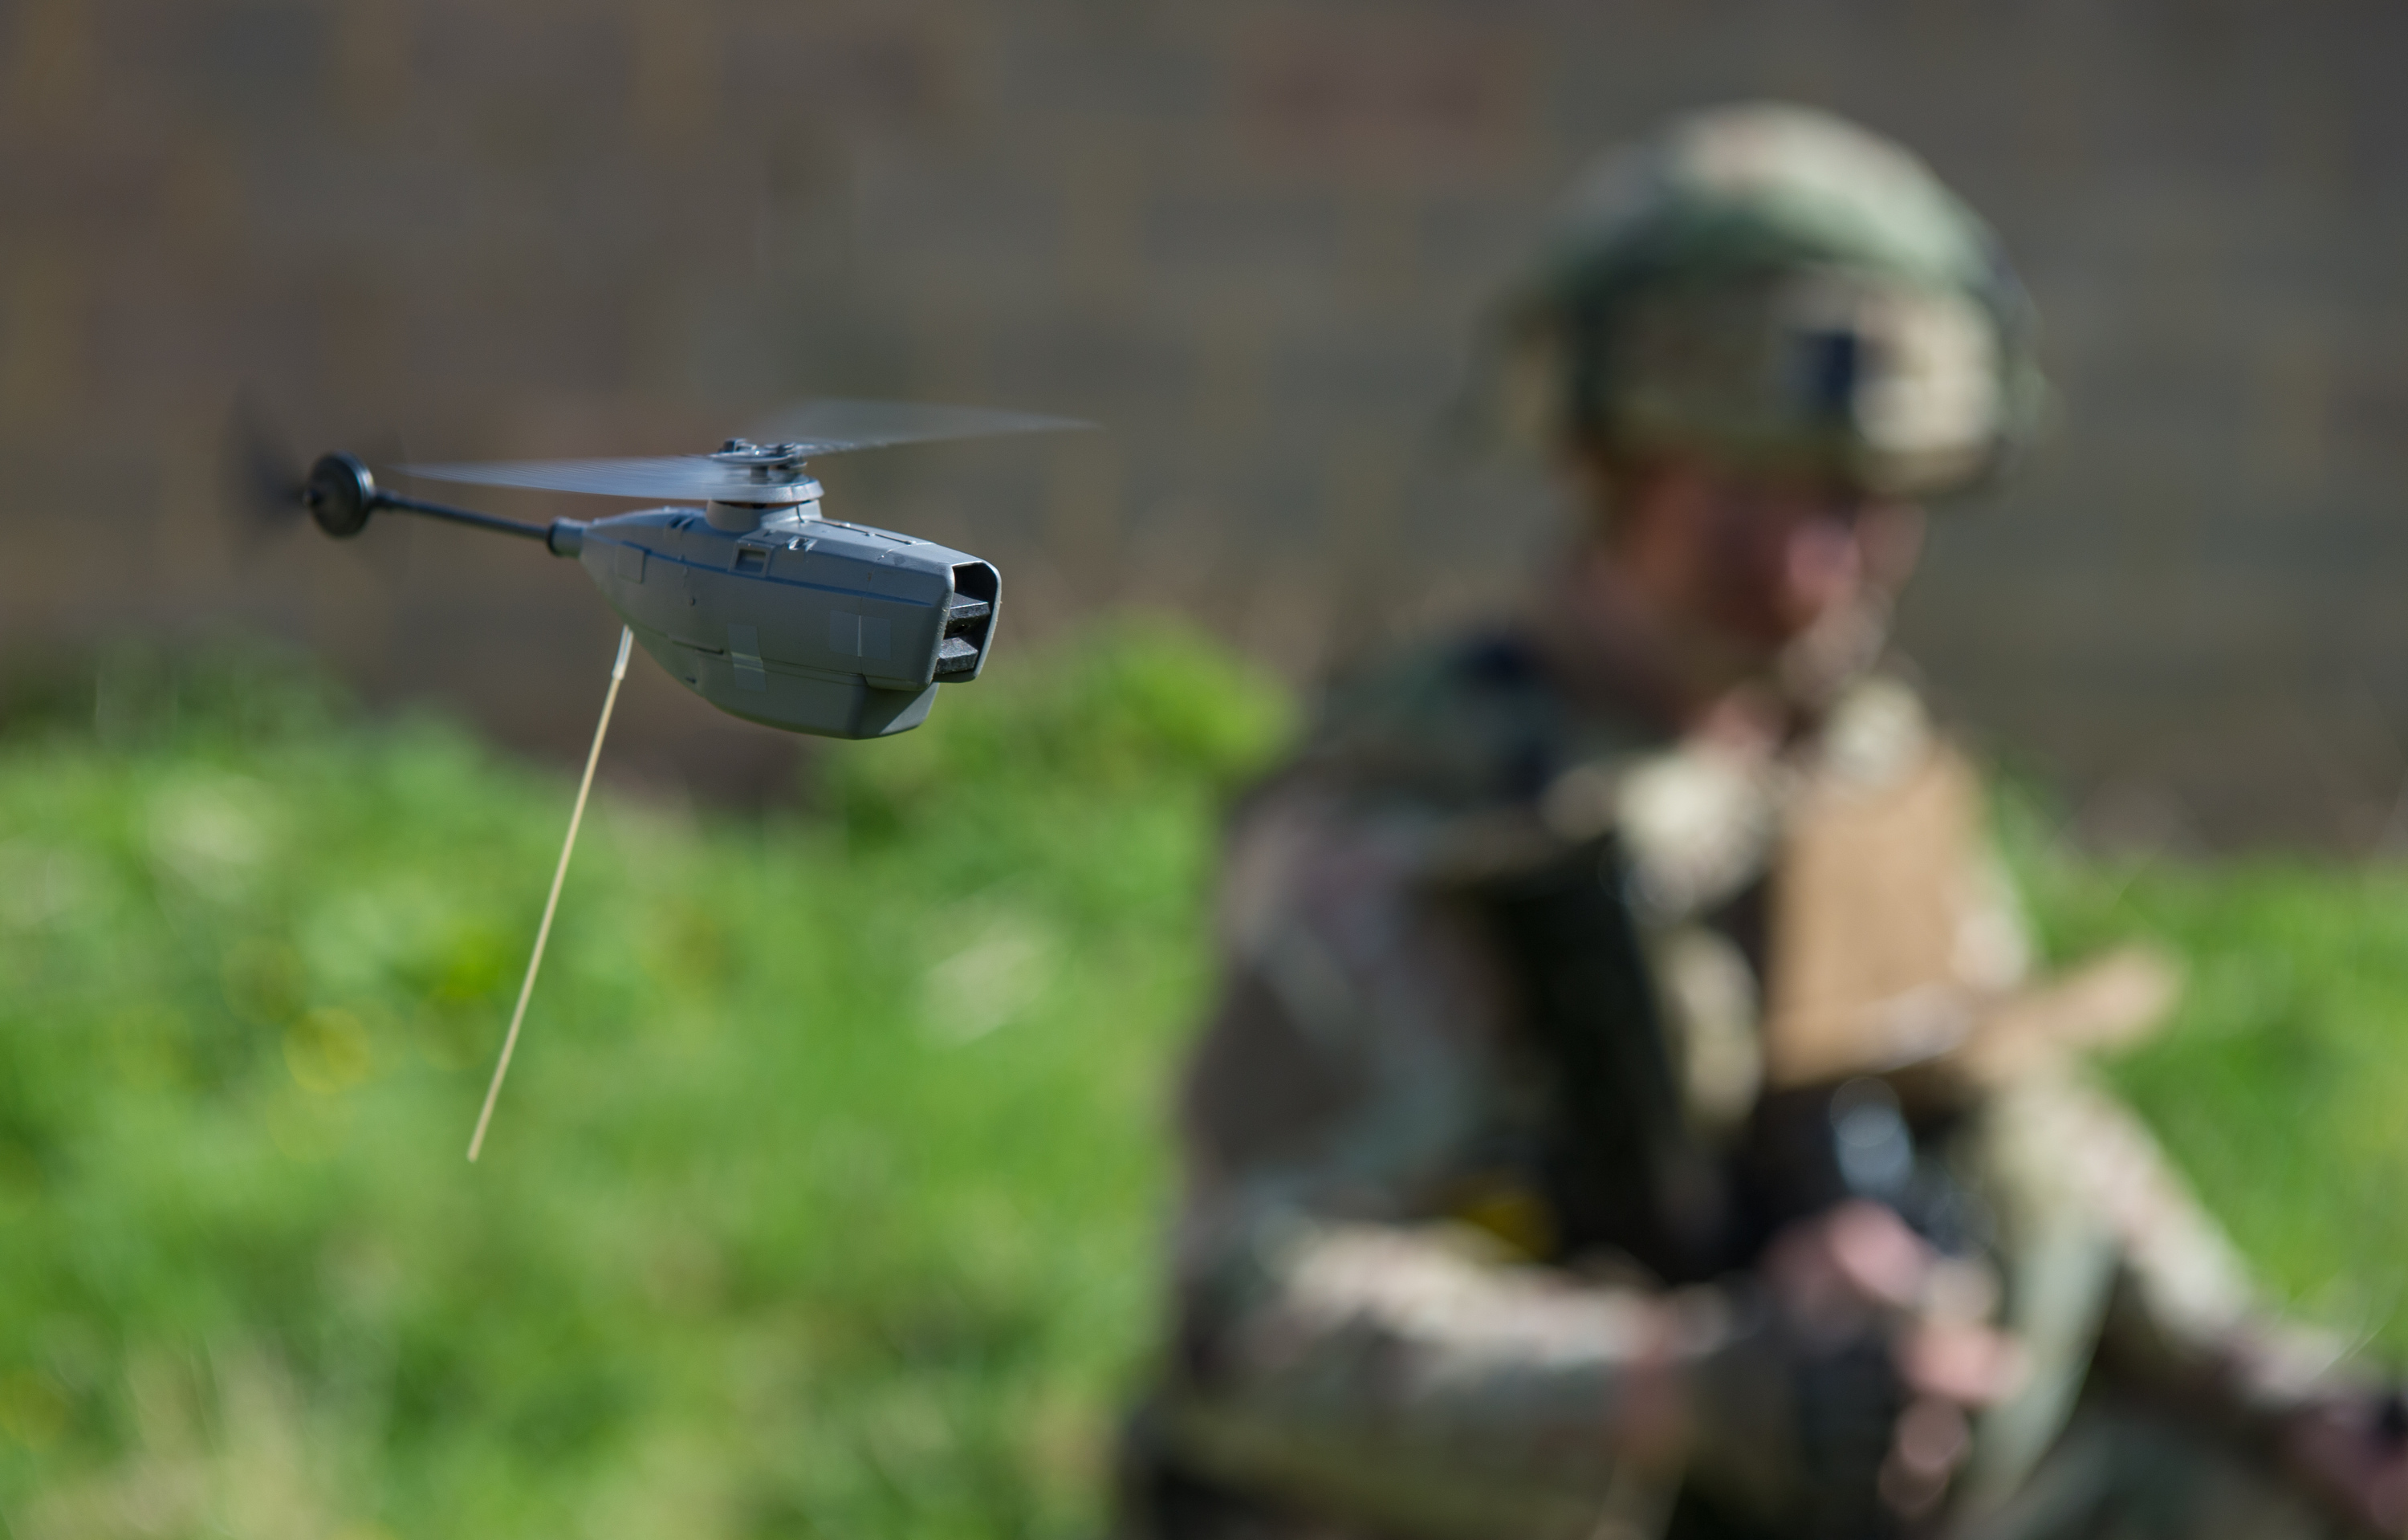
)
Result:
{"points": [[765, 465]]}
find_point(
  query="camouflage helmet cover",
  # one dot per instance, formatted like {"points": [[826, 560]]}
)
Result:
{"points": [[1772, 287]]}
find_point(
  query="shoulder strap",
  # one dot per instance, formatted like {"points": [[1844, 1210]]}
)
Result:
{"points": [[1622, 1170]]}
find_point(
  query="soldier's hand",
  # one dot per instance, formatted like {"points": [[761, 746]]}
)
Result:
{"points": [[1859, 1274], [2353, 1452]]}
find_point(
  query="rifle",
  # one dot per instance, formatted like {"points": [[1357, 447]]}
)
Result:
{"points": [[1623, 1174]]}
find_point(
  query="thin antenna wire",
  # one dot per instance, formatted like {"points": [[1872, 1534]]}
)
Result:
{"points": [[543, 932]]}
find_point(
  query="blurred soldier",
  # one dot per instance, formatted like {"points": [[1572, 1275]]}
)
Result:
{"points": [[1629, 1111]]}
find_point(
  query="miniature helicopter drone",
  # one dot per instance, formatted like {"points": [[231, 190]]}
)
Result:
{"points": [[755, 600]]}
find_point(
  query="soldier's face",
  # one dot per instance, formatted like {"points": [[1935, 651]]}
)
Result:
{"points": [[1760, 559]]}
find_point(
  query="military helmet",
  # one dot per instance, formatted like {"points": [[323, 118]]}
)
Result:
{"points": [[1775, 288]]}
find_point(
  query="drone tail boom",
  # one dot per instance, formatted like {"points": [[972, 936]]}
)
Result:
{"points": [[341, 493]]}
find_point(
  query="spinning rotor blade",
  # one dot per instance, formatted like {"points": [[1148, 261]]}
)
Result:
{"points": [[809, 428], [263, 490], [834, 426], [677, 476], [263, 483]]}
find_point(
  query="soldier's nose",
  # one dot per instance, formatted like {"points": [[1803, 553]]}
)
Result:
{"points": [[1821, 563]]}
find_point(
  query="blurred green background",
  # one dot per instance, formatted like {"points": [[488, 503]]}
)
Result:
{"points": [[824, 1198]]}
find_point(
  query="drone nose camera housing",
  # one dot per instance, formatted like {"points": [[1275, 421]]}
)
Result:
{"points": [[798, 620], [755, 600]]}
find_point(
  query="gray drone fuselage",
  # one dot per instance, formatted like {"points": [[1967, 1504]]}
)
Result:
{"points": [[753, 601], [782, 617]]}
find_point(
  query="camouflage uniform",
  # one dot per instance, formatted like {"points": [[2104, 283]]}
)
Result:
{"points": [[1457, 1259]]}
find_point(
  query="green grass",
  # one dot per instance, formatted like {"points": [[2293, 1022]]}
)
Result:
{"points": [[2281, 1084], [825, 1196]]}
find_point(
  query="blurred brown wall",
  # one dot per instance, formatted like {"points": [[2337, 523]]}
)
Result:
{"points": [[1253, 240]]}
